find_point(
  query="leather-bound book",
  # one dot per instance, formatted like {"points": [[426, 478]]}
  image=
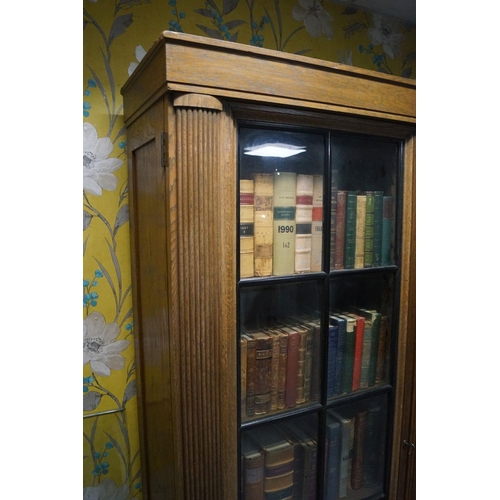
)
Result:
{"points": [[359, 248], [263, 371], [263, 224], [317, 224], [253, 470], [303, 223], [369, 228], [246, 228]]}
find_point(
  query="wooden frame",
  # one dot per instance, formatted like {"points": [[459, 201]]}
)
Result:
{"points": [[181, 107]]}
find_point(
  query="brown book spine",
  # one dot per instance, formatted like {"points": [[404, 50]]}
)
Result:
{"points": [[333, 227], [292, 368], [308, 363], [253, 475], [340, 230], [263, 365], [275, 369], [301, 375], [382, 350], [316, 353], [251, 345], [243, 361], [358, 450], [283, 362]]}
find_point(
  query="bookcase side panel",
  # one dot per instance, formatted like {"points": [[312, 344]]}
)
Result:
{"points": [[150, 257], [206, 278]]}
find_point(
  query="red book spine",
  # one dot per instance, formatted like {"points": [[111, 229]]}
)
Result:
{"points": [[358, 352], [340, 230], [292, 369]]}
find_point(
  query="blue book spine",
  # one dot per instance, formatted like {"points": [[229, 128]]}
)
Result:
{"points": [[332, 359], [341, 347], [333, 460]]}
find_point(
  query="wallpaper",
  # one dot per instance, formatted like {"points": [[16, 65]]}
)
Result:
{"points": [[116, 35]]}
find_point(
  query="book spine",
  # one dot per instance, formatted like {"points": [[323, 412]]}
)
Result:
{"points": [[365, 359], [282, 371], [317, 224], [246, 228], [382, 350], [251, 347], [263, 366], [377, 228], [358, 450], [340, 357], [284, 203], [333, 338], [303, 222], [359, 248], [344, 457], [282, 494], [340, 230], [254, 478], [350, 339], [333, 228], [387, 219], [333, 470], [373, 442], [374, 348], [243, 361], [308, 363], [358, 352], [263, 221], [292, 369], [275, 370], [315, 385], [301, 372], [350, 230], [369, 227]]}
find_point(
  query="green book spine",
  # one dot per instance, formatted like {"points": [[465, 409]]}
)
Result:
{"points": [[377, 228], [369, 228], [376, 317], [350, 230], [387, 219], [284, 202]]}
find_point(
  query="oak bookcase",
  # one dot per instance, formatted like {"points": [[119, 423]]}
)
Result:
{"points": [[191, 108]]}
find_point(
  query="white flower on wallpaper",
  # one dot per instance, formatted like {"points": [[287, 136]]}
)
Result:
{"points": [[316, 19], [97, 167], [345, 57], [100, 347], [106, 490], [385, 32], [139, 55]]}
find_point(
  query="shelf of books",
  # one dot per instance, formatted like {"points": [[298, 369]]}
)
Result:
{"points": [[316, 314]]}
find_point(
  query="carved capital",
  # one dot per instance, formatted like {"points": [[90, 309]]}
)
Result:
{"points": [[201, 101]]}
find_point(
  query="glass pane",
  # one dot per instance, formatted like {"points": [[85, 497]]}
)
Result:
{"points": [[355, 450], [364, 175], [359, 332], [279, 461], [280, 348], [281, 202]]}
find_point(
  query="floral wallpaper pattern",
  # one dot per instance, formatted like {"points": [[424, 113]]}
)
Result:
{"points": [[116, 36]]}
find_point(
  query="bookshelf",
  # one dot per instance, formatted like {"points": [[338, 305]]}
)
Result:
{"points": [[272, 223]]}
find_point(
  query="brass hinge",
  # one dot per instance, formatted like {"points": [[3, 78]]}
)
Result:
{"points": [[163, 150]]}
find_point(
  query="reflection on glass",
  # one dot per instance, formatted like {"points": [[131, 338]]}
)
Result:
{"points": [[355, 449], [280, 461], [281, 202], [280, 346]]}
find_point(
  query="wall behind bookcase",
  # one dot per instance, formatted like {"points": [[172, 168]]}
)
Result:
{"points": [[115, 37]]}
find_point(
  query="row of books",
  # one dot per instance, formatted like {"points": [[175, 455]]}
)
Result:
{"points": [[277, 366], [280, 461], [281, 224], [354, 449], [361, 229], [357, 350]]}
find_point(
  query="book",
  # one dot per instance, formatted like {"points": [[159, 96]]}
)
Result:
{"points": [[359, 247], [340, 230], [243, 362], [333, 338], [246, 228], [279, 455], [358, 449], [309, 360], [373, 444], [358, 350], [387, 221], [263, 366], [333, 227], [317, 224], [346, 444], [341, 323], [316, 353], [350, 230], [282, 365], [301, 364], [292, 366], [252, 470], [332, 478], [263, 224], [303, 223], [369, 227], [350, 339], [250, 376], [375, 318], [377, 227], [284, 205], [365, 357], [383, 343], [274, 369]]}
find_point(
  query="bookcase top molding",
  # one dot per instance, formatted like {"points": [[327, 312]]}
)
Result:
{"points": [[178, 62]]}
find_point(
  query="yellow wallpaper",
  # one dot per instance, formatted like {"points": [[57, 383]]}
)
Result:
{"points": [[115, 36]]}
